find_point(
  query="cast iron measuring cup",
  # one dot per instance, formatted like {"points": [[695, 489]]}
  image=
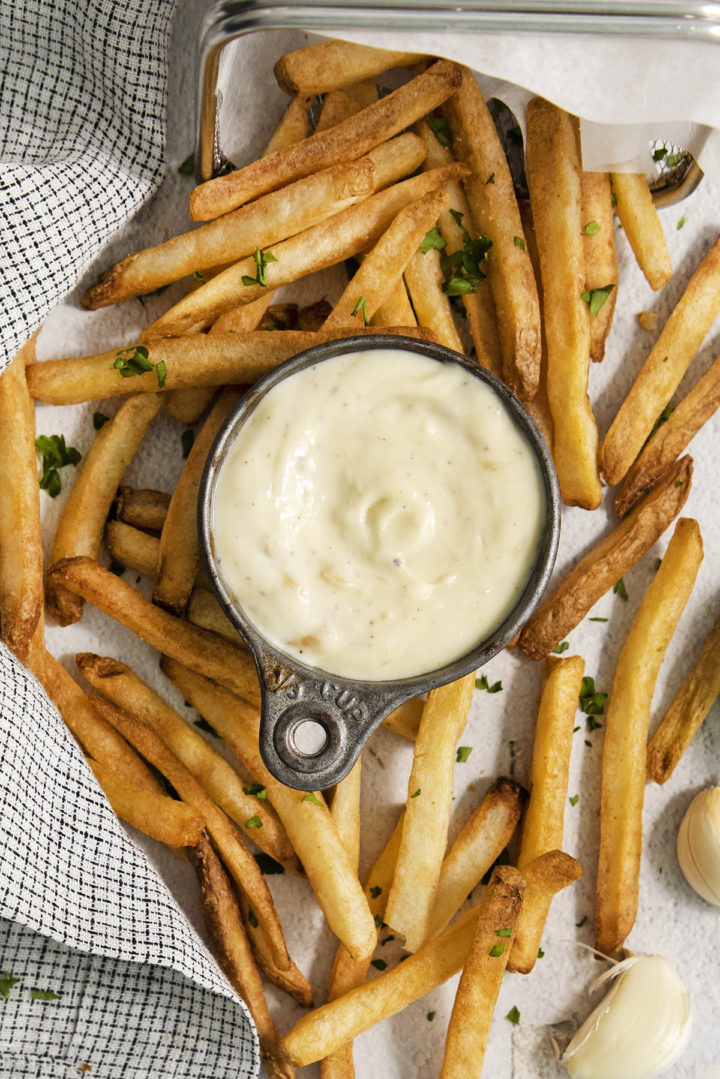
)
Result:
{"points": [[313, 723]]}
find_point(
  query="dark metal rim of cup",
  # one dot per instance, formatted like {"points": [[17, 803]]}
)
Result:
{"points": [[348, 709]]}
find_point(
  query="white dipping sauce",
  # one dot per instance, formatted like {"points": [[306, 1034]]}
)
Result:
{"points": [[378, 514]]}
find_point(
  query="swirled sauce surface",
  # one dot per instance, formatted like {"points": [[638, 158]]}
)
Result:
{"points": [[378, 514]]}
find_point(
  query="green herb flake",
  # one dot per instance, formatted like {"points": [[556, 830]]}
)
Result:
{"points": [[496, 950], [662, 418], [575, 730], [678, 483], [117, 568], [375, 891], [256, 790], [187, 168], [597, 618], [360, 308], [483, 683], [416, 793], [99, 420], [592, 724], [673, 160], [55, 455], [519, 242], [513, 1015], [197, 276], [658, 564], [540, 954], [582, 921], [463, 268], [560, 648], [134, 360], [613, 199], [440, 129], [253, 822], [596, 298], [161, 372], [432, 240], [592, 701], [592, 228], [252, 919], [463, 752], [6, 983], [681, 222], [187, 440], [588, 743], [660, 153], [490, 179], [379, 964], [574, 799], [379, 923], [620, 590], [44, 994], [203, 725], [261, 259], [267, 865], [312, 798], [503, 932], [431, 1016]]}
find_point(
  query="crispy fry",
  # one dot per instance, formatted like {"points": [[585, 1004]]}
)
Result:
{"points": [[332, 65], [495, 211], [179, 558], [199, 649], [384, 265], [397, 309], [293, 127], [660, 375], [554, 171], [21, 565], [141, 507], [479, 305], [205, 611], [469, 1028], [626, 731], [427, 811], [689, 708], [165, 819], [482, 838], [244, 318], [544, 877], [265, 222], [133, 548], [424, 279], [640, 221], [598, 226], [190, 405], [670, 439], [337, 106], [80, 529], [405, 720], [539, 407], [237, 858], [345, 812], [291, 980], [306, 818], [607, 562], [119, 683], [232, 950]]}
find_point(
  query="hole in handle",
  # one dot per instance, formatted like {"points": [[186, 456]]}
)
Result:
{"points": [[308, 737]]}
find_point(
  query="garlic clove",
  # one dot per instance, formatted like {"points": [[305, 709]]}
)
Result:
{"points": [[698, 845], [639, 1029]]}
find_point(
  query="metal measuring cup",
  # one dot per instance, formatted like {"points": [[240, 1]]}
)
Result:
{"points": [[339, 714]]}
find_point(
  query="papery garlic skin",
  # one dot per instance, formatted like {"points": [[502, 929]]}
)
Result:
{"points": [[639, 1029], [698, 845]]}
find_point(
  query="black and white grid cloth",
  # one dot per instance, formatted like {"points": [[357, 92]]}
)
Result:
{"points": [[100, 972]]}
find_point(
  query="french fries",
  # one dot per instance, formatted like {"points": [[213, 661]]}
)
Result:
{"points": [[689, 708], [660, 375], [141, 508], [345, 142], [425, 279], [641, 223], [606, 563], [333, 65], [601, 270], [554, 179], [544, 877], [133, 548], [21, 564], [626, 729], [165, 819], [469, 1029]]}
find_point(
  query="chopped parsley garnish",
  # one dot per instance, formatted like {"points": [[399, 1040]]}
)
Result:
{"points": [[678, 483], [187, 168], [483, 683], [135, 360], [187, 440], [55, 455], [117, 568], [431, 1016], [360, 308], [463, 266], [497, 949], [658, 564], [540, 954], [379, 923], [415, 794], [99, 420], [432, 239], [597, 618], [592, 724], [592, 228], [674, 159], [205, 726], [503, 932], [252, 919], [197, 276], [574, 800], [161, 372], [596, 298], [379, 964], [262, 258], [312, 798], [588, 742], [439, 127], [6, 983], [592, 701], [662, 418], [253, 822], [513, 1015], [581, 923], [44, 994], [576, 729], [375, 891], [660, 153], [256, 789], [490, 179], [681, 222], [560, 648], [463, 752], [620, 590], [519, 242], [267, 865]]}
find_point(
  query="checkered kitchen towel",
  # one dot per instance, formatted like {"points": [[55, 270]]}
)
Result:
{"points": [[100, 973]]}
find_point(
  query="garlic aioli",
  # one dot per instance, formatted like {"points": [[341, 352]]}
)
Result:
{"points": [[378, 514]]}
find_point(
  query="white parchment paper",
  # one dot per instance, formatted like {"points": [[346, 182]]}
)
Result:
{"points": [[671, 919]]}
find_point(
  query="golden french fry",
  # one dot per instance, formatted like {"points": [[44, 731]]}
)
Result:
{"points": [[482, 838], [606, 563], [670, 439], [660, 375], [479, 305], [641, 225], [598, 225], [21, 565], [469, 1028], [383, 267], [171, 822], [405, 720], [232, 950], [332, 65], [204, 610], [293, 127], [424, 279], [554, 171], [689, 708], [345, 812], [80, 529], [141, 507], [291, 980], [133, 548], [306, 818], [337, 106], [199, 360], [427, 811], [626, 730], [539, 407], [495, 211], [237, 858], [119, 683], [397, 309], [345, 142], [365, 92], [198, 648], [179, 558], [190, 405], [544, 877], [265, 222]]}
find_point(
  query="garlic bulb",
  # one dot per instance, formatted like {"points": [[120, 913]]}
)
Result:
{"points": [[639, 1029], [698, 845]]}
